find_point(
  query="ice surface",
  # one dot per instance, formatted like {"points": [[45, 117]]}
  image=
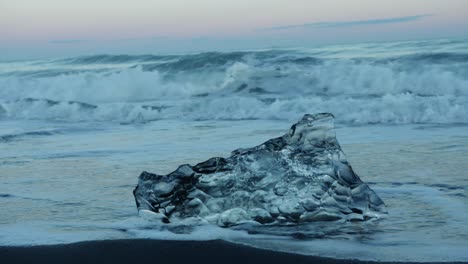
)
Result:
{"points": [[302, 176]]}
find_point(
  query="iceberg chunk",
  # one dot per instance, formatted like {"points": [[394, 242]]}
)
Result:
{"points": [[302, 176]]}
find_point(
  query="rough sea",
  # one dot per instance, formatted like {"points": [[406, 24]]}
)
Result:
{"points": [[75, 133]]}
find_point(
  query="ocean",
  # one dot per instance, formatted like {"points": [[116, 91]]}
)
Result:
{"points": [[75, 133]]}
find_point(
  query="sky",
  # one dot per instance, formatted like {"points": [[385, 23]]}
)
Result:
{"points": [[60, 28]]}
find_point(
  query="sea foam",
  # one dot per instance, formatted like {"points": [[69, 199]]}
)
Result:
{"points": [[405, 83]]}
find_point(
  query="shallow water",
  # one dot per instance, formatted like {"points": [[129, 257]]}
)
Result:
{"points": [[67, 182]]}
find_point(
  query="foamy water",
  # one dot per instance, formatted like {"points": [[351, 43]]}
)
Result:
{"points": [[392, 83], [72, 186], [75, 133]]}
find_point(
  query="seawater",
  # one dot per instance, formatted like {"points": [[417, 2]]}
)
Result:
{"points": [[390, 83], [75, 133]]}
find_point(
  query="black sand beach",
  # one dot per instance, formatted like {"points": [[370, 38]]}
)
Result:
{"points": [[156, 251]]}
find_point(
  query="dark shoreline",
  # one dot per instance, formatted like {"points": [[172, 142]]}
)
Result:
{"points": [[158, 251]]}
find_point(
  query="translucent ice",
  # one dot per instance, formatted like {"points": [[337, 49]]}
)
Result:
{"points": [[302, 176]]}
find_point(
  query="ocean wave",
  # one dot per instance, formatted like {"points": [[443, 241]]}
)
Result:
{"points": [[17, 136], [218, 61], [109, 59], [400, 87], [430, 57], [389, 109]]}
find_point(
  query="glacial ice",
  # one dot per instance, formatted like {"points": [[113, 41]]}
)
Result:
{"points": [[302, 176]]}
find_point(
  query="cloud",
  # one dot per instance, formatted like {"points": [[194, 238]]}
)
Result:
{"points": [[352, 23], [149, 38], [67, 41], [77, 41]]}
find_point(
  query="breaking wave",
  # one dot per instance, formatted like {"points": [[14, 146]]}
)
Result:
{"points": [[391, 85]]}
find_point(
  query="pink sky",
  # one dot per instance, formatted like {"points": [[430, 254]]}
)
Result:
{"points": [[41, 26]]}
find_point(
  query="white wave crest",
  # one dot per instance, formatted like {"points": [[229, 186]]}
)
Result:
{"points": [[356, 91]]}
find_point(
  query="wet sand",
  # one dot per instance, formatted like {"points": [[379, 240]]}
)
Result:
{"points": [[157, 251]]}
